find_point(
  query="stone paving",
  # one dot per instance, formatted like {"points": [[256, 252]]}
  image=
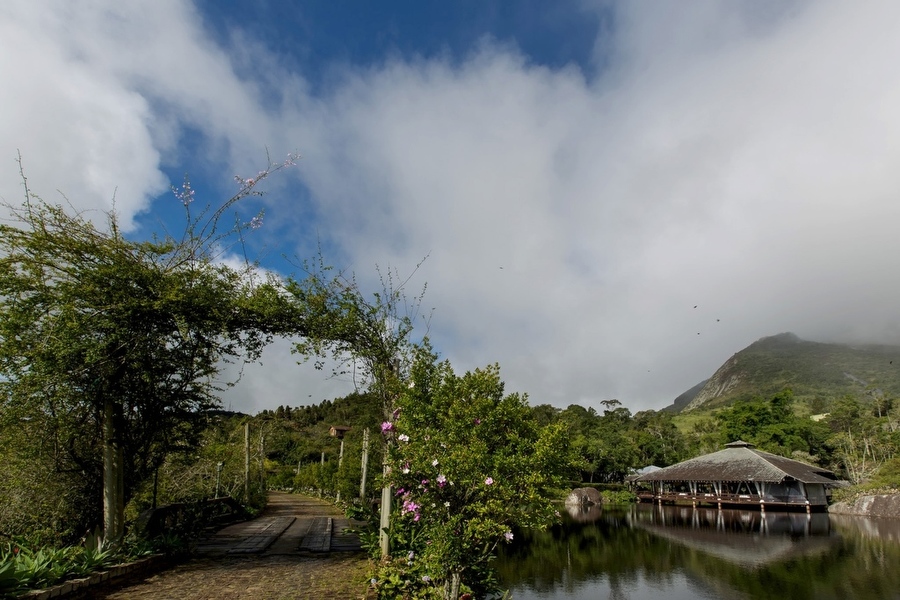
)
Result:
{"points": [[299, 547]]}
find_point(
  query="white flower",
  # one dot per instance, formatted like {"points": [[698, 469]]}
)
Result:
{"points": [[434, 463], [403, 437]]}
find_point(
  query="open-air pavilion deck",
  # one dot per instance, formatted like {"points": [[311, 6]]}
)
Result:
{"points": [[739, 476]]}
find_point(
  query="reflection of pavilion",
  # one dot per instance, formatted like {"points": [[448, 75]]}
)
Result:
{"points": [[746, 538]]}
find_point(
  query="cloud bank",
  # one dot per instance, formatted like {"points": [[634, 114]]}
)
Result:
{"points": [[615, 230]]}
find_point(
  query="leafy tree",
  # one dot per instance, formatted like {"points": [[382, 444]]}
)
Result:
{"points": [[704, 437], [469, 464], [111, 346], [861, 442], [658, 440], [545, 414], [773, 427]]}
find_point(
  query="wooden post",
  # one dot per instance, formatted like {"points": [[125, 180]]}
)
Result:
{"points": [[262, 462], [337, 497], [385, 523], [247, 463], [322, 464], [365, 464]]}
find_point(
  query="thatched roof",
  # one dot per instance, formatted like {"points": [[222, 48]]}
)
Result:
{"points": [[740, 461]]}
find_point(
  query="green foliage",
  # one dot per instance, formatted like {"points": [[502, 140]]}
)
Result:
{"points": [[772, 426], [862, 442], [613, 444], [855, 439], [888, 476], [469, 464], [93, 324], [23, 567], [618, 496]]}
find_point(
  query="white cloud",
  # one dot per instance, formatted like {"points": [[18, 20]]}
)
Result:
{"points": [[735, 156], [737, 161], [97, 94]]}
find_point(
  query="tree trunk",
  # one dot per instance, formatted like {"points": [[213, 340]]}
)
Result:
{"points": [[451, 586], [113, 478]]}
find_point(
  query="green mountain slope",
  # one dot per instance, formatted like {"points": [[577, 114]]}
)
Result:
{"points": [[816, 372]]}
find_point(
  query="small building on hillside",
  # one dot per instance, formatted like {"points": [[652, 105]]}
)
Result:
{"points": [[740, 477]]}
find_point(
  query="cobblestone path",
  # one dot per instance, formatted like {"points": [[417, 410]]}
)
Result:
{"points": [[298, 548]]}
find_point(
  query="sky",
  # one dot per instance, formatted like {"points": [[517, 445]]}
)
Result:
{"points": [[613, 197]]}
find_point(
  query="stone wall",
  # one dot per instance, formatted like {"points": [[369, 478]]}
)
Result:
{"points": [[884, 505]]}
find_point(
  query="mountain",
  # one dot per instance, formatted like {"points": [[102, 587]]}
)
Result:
{"points": [[815, 372], [685, 398]]}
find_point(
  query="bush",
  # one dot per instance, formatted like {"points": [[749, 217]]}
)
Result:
{"points": [[468, 465], [618, 497]]}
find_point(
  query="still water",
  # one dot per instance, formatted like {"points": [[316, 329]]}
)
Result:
{"points": [[680, 553]]}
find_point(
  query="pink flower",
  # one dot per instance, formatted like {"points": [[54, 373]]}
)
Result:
{"points": [[387, 426], [410, 506], [508, 535], [478, 421], [442, 481], [489, 481]]}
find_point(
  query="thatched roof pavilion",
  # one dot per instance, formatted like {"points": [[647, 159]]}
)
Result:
{"points": [[741, 475]]}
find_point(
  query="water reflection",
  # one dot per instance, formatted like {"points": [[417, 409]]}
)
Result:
{"points": [[647, 551], [740, 537]]}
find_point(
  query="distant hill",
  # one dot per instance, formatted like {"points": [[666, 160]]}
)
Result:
{"points": [[816, 372]]}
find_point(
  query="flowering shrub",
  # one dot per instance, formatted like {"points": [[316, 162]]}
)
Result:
{"points": [[468, 464]]}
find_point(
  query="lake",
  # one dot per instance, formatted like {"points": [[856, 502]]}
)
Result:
{"points": [[645, 551]]}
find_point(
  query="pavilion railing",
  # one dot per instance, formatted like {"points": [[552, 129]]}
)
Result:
{"points": [[724, 498]]}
